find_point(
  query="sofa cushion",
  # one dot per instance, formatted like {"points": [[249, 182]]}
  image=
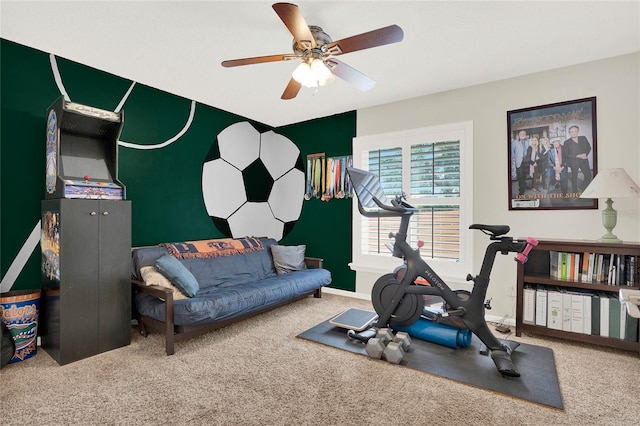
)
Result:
{"points": [[145, 256], [228, 271], [178, 274], [288, 258], [151, 276], [218, 303]]}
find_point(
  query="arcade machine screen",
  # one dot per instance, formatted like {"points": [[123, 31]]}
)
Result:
{"points": [[81, 156]]}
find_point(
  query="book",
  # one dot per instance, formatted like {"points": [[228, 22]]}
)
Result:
{"points": [[612, 270], [576, 268], [586, 315], [592, 258], [584, 272], [554, 309], [577, 313], [564, 267], [621, 261], [614, 317], [553, 264], [529, 306], [600, 261], [566, 311], [571, 266], [623, 321], [595, 314], [604, 314], [631, 271], [611, 277], [541, 306], [559, 274]]}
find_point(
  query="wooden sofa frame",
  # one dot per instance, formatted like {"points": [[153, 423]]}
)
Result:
{"points": [[177, 333]]}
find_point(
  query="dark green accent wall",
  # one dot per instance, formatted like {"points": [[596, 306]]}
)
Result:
{"points": [[164, 185], [325, 226]]}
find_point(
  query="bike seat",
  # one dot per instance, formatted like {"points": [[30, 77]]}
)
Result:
{"points": [[495, 230]]}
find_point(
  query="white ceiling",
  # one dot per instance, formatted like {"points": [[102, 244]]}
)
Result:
{"points": [[177, 46]]}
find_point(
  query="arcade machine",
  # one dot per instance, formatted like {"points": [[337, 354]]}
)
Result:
{"points": [[85, 236]]}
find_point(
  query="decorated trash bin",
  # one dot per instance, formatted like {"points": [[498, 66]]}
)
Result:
{"points": [[20, 310]]}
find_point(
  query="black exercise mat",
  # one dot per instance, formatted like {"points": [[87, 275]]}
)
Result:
{"points": [[538, 381]]}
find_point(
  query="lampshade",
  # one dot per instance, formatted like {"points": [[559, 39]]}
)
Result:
{"points": [[611, 183]]}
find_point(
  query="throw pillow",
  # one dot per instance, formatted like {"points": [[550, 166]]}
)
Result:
{"points": [[288, 258], [153, 277], [178, 274]]}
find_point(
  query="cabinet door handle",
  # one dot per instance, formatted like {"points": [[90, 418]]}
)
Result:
{"points": [[93, 213], [105, 213]]}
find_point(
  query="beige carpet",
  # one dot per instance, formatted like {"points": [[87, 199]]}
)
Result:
{"points": [[258, 372]]}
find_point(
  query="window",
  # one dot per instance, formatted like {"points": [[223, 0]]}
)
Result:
{"points": [[433, 166]]}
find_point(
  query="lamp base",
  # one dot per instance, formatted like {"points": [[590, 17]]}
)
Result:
{"points": [[609, 220], [609, 238]]}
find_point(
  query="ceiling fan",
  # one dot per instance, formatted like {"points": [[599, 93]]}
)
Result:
{"points": [[317, 52]]}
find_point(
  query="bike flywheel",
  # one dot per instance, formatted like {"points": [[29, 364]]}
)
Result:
{"points": [[409, 308]]}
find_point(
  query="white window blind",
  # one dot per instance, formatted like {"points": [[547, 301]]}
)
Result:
{"points": [[427, 164]]}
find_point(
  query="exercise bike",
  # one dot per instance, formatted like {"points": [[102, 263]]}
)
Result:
{"points": [[398, 299]]}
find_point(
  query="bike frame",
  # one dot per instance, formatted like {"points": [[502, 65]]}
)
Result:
{"points": [[470, 310]]}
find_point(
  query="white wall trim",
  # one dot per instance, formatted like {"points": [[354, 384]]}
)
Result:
{"points": [[346, 293]]}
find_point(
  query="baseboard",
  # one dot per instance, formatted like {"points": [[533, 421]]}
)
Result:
{"points": [[346, 293], [362, 296], [500, 320]]}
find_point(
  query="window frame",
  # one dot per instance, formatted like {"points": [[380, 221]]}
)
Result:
{"points": [[462, 131]]}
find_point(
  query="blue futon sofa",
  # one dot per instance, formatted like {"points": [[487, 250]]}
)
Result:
{"points": [[189, 288]]}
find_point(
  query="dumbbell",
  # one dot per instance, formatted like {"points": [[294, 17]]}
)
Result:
{"points": [[376, 345], [403, 338], [387, 346], [395, 350]]}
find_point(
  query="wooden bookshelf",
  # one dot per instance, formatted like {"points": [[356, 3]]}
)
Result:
{"points": [[537, 272]]}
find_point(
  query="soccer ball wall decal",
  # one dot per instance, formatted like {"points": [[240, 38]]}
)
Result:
{"points": [[253, 183]]}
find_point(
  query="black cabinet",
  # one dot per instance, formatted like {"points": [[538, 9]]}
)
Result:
{"points": [[86, 269]]}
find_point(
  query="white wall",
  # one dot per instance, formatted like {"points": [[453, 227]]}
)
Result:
{"points": [[615, 82]]}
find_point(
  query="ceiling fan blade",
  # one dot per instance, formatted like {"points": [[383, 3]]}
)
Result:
{"points": [[379, 37], [350, 75], [292, 90], [259, 60], [294, 21]]}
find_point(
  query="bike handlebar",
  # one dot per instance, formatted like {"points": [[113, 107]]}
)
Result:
{"points": [[397, 208]]}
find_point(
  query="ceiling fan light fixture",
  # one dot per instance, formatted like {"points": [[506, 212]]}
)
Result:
{"points": [[313, 73], [321, 72], [303, 75]]}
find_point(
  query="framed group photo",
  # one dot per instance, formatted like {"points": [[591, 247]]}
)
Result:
{"points": [[552, 155]]}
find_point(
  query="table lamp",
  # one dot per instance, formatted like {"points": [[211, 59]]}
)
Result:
{"points": [[611, 183]]}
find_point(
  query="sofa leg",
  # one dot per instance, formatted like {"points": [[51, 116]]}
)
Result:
{"points": [[170, 344], [169, 331], [141, 327], [169, 338], [318, 293]]}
